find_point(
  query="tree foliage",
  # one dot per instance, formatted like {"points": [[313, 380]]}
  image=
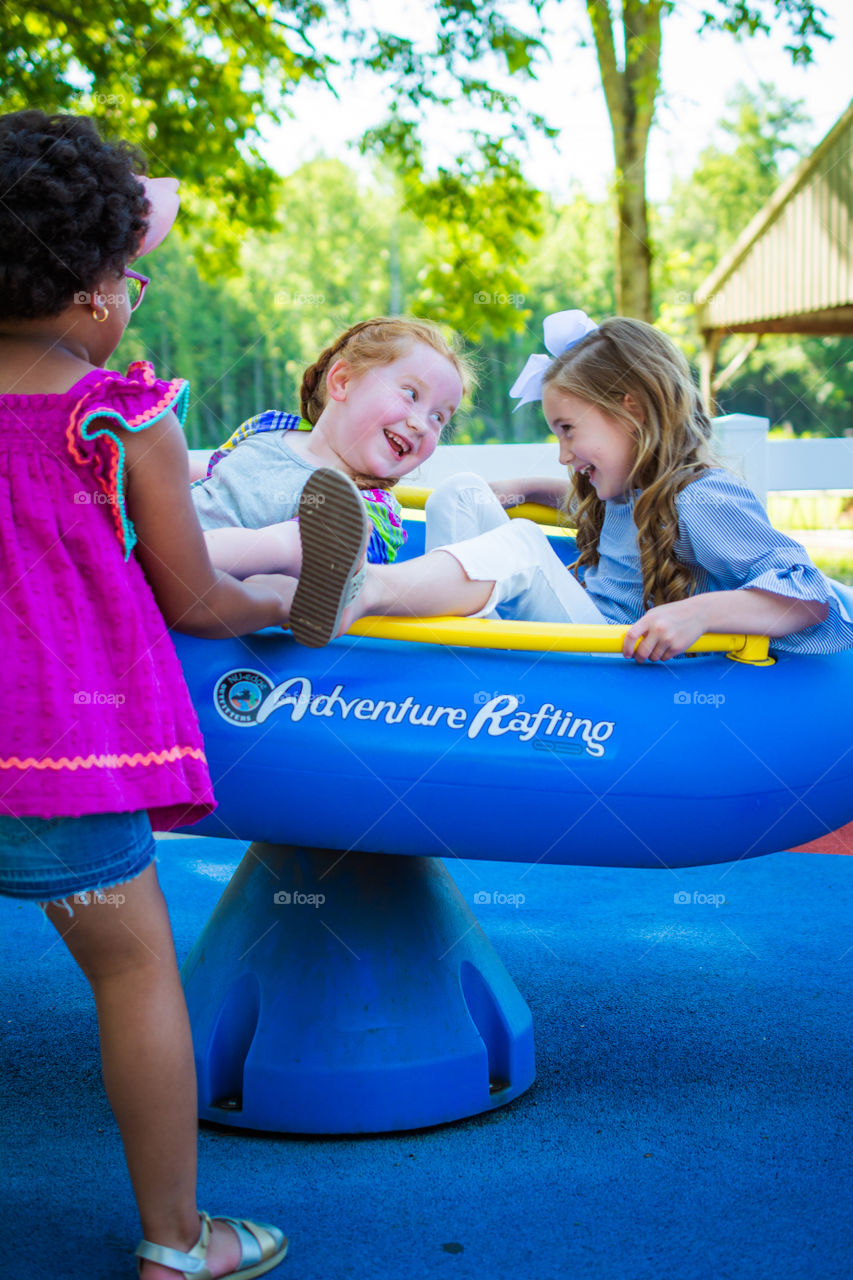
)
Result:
{"points": [[480, 221], [189, 83], [739, 18], [762, 133], [343, 248], [195, 82]]}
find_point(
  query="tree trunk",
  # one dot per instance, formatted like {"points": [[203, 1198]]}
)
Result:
{"points": [[633, 252], [630, 91]]}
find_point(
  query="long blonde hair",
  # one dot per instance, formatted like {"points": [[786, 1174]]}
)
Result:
{"points": [[671, 431]]}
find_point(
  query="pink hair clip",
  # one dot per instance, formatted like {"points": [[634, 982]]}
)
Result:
{"points": [[162, 194]]}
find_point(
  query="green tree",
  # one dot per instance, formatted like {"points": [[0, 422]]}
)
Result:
{"points": [[344, 248], [801, 384], [570, 267], [335, 255], [194, 84], [481, 221], [189, 83]]}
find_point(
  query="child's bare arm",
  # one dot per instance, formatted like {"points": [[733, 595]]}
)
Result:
{"points": [[191, 594], [670, 629], [546, 490], [277, 548], [199, 458]]}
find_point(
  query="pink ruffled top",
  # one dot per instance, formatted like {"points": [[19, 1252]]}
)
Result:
{"points": [[96, 715]]}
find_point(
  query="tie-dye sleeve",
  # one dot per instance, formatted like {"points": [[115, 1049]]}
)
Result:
{"points": [[388, 534]]}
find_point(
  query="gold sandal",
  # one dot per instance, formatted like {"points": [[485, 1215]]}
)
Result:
{"points": [[262, 1247]]}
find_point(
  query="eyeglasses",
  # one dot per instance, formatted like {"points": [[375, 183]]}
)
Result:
{"points": [[136, 285]]}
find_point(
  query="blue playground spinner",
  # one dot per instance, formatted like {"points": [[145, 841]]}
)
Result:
{"points": [[383, 1006], [350, 993]]}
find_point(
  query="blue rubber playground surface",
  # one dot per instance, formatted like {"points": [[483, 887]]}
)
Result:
{"points": [[690, 1117]]}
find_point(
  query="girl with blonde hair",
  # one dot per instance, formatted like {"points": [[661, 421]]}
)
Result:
{"points": [[670, 544]]}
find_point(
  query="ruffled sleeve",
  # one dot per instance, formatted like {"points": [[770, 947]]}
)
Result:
{"points": [[133, 401], [728, 541]]}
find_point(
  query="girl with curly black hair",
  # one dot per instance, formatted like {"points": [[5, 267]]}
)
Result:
{"points": [[100, 552]]}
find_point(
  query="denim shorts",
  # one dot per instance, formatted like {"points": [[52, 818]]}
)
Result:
{"points": [[49, 858]]}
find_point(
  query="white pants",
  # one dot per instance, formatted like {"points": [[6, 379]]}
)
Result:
{"points": [[464, 517]]}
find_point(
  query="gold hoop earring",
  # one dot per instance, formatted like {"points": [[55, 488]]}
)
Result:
{"points": [[100, 319]]}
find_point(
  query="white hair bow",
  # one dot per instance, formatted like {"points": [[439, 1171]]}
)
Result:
{"points": [[562, 330]]}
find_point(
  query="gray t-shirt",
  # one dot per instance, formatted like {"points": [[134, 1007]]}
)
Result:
{"points": [[256, 484]]}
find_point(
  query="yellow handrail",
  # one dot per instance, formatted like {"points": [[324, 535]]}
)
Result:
{"points": [[548, 637], [413, 498]]}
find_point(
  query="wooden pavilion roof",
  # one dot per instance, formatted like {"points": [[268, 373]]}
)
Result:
{"points": [[791, 270]]}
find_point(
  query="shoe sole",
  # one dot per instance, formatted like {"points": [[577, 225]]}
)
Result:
{"points": [[333, 529]]}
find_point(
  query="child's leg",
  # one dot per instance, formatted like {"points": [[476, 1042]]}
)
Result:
{"points": [[511, 571], [461, 507], [531, 581], [128, 956], [241, 552], [428, 587]]}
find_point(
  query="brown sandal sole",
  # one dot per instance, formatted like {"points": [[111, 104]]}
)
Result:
{"points": [[333, 526]]}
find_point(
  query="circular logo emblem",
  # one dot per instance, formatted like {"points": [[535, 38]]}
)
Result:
{"points": [[238, 695]]}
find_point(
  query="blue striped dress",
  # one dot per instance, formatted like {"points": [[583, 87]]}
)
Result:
{"points": [[726, 539]]}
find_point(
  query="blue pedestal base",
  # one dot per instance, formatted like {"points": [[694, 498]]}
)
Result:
{"points": [[350, 993]]}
